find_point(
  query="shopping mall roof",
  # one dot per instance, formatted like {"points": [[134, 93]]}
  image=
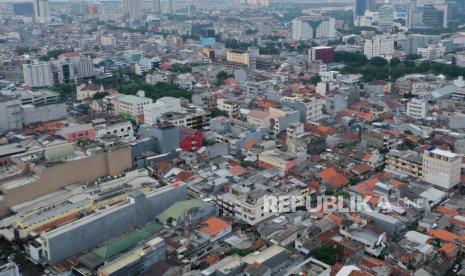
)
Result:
{"points": [[123, 243], [177, 209]]}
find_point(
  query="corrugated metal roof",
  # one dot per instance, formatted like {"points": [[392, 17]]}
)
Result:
{"points": [[123, 243], [177, 209]]}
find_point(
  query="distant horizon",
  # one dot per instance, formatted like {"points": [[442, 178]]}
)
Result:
{"points": [[57, 1]]}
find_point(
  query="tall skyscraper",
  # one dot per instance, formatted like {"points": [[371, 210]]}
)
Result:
{"points": [[23, 9], [456, 9], [38, 74], [41, 13], [410, 13], [433, 17], [156, 6], [363, 5], [313, 27], [379, 46], [386, 15], [132, 9], [172, 6]]}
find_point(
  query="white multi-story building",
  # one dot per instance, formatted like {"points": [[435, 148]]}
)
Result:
{"points": [[38, 74], [84, 67], [130, 104], [228, 106], [82, 64], [41, 11], [108, 41], [41, 97], [432, 51], [133, 10], [313, 27], [140, 69], [157, 77], [441, 168], [185, 81], [155, 111], [250, 207], [369, 19], [417, 108], [379, 46], [373, 241], [10, 110], [121, 128], [88, 90], [312, 107]]}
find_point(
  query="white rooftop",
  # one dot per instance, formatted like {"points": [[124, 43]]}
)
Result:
{"points": [[445, 153]]}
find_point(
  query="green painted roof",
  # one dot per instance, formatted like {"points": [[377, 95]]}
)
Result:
{"points": [[177, 209], [60, 152], [131, 99], [115, 247]]}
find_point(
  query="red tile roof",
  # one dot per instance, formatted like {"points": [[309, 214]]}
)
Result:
{"points": [[446, 211], [335, 178], [442, 234]]}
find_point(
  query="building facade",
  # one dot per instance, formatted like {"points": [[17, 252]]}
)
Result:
{"points": [[441, 168], [38, 74], [379, 46], [313, 27], [417, 108]]}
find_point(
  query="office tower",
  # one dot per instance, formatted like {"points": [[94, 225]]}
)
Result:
{"points": [[313, 27], [386, 15], [38, 74], [363, 5], [322, 53], [91, 11], [132, 9], [82, 66], [78, 8], [23, 9], [410, 13], [433, 17], [415, 41], [456, 9], [379, 46], [191, 9], [172, 6], [156, 6], [41, 13], [63, 72]]}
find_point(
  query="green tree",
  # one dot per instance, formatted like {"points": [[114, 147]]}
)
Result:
{"points": [[413, 57], [251, 31], [315, 79], [20, 50], [180, 68], [351, 58], [52, 54], [394, 61], [100, 95], [215, 112], [326, 254], [65, 90], [221, 77], [378, 62], [248, 164], [154, 92], [409, 143]]}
